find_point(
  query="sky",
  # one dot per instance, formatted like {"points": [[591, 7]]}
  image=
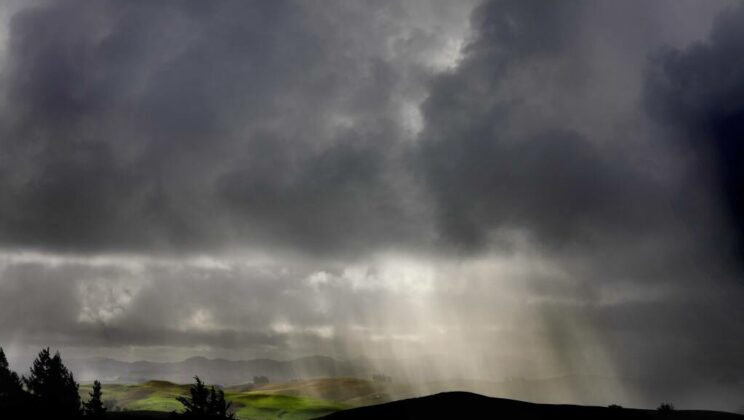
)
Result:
{"points": [[499, 188]]}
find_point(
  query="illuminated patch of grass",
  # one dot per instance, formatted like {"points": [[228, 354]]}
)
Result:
{"points": [[253, 405], [260, 406], [156, 403]]}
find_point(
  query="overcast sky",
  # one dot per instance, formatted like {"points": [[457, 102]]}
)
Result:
{"points": [[531, 188]]}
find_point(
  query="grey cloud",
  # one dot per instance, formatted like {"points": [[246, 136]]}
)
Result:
{"points": [[75, 304], [500, 150], [206, 127], [697, 93], [231, 307], [193, 126]]}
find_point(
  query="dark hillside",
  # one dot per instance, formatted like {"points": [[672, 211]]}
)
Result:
{"points": [[464, 405]]}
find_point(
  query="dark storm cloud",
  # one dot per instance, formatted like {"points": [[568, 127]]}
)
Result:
{"points": [[499, 154], [203, 127], [698, 92], [142, 125]]}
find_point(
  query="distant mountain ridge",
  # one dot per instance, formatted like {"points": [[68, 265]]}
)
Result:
{"points": [[219, 371]]}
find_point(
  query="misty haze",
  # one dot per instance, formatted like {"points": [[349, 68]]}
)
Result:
{"points": [[290, 209]]}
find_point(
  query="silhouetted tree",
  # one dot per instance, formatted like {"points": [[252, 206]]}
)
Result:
{"points": [[196, 404], [205, 403], [94, 407], [218, 406], [260, 380], [12, 395], [52, 386], [665, 408]]}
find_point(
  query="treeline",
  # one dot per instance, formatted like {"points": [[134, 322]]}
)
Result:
{"points": [[50, 391]]}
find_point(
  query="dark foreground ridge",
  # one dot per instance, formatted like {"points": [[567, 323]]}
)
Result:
{"points": [[465, 405]]}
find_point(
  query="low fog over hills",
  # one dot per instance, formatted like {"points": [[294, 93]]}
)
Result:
{"points": [[220, 371]]}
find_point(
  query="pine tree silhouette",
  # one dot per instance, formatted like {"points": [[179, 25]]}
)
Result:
{"points": [[218, 407], [196, 404], [52, 386], [94, 407], [205, 403], [12, 395]]}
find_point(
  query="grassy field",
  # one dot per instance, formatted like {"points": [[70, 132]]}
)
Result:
{"points": [[254, 405], [292, 401]]}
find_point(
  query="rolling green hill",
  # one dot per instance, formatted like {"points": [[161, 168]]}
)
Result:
{"points": [[350, 391], [248, 404]]}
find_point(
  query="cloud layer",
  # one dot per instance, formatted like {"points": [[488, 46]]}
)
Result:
{"points": [[194, 126]]}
